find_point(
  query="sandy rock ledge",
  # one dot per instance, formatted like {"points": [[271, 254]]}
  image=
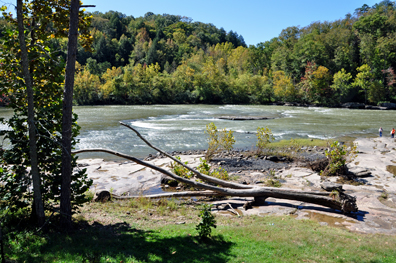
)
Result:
{"points": [[375, 193]]}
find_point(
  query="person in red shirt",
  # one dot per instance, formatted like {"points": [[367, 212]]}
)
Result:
{"points": [[393, 133]]}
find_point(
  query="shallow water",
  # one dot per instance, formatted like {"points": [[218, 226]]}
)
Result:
{"points": [[328, 219], [181, 127]]}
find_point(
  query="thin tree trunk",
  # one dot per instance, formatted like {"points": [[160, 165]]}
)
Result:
{"points": [[38, 202], [2, 246], [65, 204]]}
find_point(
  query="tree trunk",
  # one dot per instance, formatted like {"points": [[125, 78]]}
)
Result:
{"points": [[2, 246], [169, 195], [65, 204], [38, 202]]}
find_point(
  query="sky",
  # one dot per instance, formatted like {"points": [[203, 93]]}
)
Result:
{"points": [[256, 20]]}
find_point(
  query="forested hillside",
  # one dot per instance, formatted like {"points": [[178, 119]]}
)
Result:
{"points": [[171, 59]]}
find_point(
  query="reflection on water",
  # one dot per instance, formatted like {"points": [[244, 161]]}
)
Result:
{"points": [[181, 127]]}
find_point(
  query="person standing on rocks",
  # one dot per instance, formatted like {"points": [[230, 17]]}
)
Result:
{"points": [[380, 132], [393, 133]]}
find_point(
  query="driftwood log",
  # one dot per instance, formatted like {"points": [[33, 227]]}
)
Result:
{"points": [[340, 201], [246, 118]]}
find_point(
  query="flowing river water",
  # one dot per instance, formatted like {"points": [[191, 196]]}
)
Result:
{"points": [[181, 127]]}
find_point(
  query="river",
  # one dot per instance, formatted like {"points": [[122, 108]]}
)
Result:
{"points": [[181, 127]]}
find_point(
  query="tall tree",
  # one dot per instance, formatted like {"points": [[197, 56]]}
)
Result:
{"points": [[364, 79], [38, 202], [42, 22], [341, 84], [67, 115]]}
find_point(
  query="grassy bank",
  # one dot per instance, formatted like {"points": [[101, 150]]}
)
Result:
{"points": [[300, 142], [130, 231]]}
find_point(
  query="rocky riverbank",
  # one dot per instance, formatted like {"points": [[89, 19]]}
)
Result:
{"points": [[374, 185], [348, 105]]}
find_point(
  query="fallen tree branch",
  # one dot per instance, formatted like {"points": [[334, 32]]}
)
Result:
{"points": [[170, 195], [233, 210], [197, 173], [345, 203]]}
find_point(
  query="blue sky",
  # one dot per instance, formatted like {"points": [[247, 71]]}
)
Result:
{"points": [[256, 20]]}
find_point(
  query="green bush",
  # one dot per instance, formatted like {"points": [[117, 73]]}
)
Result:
{"points": [[219, 173], [218, 140], [338, 155], [208, 221], [180, 170], [264, 137]]}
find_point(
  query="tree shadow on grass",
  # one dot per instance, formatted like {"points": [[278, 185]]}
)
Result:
{"points": [[121, 243]]}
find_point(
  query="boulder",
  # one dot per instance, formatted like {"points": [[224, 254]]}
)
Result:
{"points": [[353, 105], [272, 158], [329, 186], [166, 180], [387, 105], [103, 196], [359, 172], [371, 107]]}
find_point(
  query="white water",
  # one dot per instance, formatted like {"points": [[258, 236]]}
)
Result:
{"points": [[181, 127]]}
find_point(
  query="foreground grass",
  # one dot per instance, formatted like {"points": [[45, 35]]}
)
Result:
{"points": [[142, 232]]}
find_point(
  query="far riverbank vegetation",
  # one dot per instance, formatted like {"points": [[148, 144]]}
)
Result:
{"points": [[163, 59]]}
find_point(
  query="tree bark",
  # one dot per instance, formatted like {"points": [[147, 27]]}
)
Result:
{"points": [[170, 195], [199, 193], [2, 246], [65, 204], [38, 202]]}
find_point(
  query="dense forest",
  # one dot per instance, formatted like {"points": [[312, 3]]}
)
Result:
{"points": [[171, 59]]}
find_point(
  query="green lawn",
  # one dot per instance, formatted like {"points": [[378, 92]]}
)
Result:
{"points": [[156, 237]]}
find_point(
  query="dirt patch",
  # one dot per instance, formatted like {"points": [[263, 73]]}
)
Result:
{"points": [[243, 161], [318, 165], [391, 169], [234, 165], [388, 199]]}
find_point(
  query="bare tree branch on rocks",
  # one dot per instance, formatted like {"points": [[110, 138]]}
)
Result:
{"points": [[343, 202]]}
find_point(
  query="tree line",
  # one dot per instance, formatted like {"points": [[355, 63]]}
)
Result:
{"points": [[170, 59]]}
